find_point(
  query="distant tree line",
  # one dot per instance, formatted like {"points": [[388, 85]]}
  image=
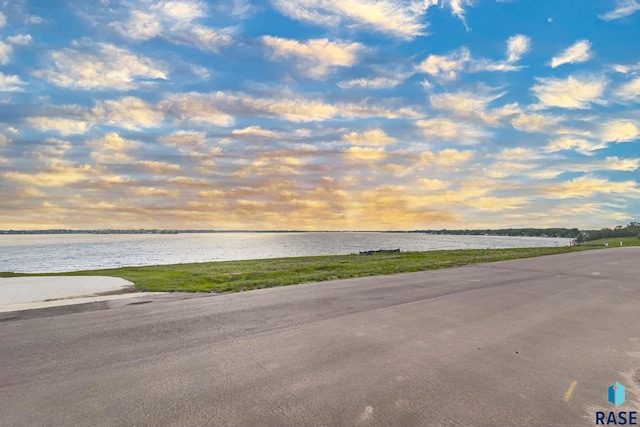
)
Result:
{"points": [[570, 233], [631, 230]]}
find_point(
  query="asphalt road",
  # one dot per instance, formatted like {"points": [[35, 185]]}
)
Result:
{"points": [[532, 342]]}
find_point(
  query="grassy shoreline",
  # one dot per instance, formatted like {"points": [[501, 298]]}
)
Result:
{"points": [[234, 276]]}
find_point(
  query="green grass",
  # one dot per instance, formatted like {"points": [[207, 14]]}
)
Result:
{"points": [[233, 276], [614, 241]]}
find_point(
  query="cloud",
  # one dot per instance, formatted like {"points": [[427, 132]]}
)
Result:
{"points": [[318, 57], [618, 164], [365, 153], [474, 104], [174, 21], [623, 9], [3, 20], [52, 150], [10, 83], [127, 113], [517, 46], [430, 184], [620, 131], [447, 66], [20, 39], [535, 122], [159, 168], [402, 18], [54, 175], [184, 139], [517, 154], [195, 108], [114, 142], [61, 125], [446, 157], [450, 130], [570, 93], [112, 148], [374, 136], [578, 52], [256, 131], [580, 145], [373, 83], [629, 91], [586, 186], [457, 8], [219, 108], [106, 67], [5, 52]]}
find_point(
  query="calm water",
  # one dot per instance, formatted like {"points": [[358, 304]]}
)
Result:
{"points": [[70, 252]]}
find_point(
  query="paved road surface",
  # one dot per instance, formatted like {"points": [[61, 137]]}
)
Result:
{"points": [[529, 342]]}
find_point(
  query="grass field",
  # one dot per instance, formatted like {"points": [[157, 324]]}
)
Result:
{"points": [[231, 276], [614, 241]]}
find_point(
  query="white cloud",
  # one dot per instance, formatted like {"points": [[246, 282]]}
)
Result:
{"points": [[570, 93], [517, 154], [629, 91], [219, 108], [174, 21], [623, 9], [5, 52], [365, 153], [517, 46], [578, 52], [10, 83], [373, 83], [112, 148], [318, 57], [401, 18], [445, 129], [106, 68], [586, 186], [535, 122], [20, 39], [457, 8], [620, 131], [3, 20], [470, 103], [447, 66], [159, 168], [62, 125], [128, 113], [196, 108], [256, 131], [618, 164], [374, 136], [580, 145], [184, 139]]}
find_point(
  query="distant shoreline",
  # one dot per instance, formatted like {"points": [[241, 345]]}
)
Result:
{"points": [[528, 232]]}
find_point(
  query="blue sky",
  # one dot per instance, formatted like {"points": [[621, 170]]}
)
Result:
{"points": [[319, 114]]}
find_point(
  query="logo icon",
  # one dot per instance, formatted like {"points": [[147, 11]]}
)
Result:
{"points": [[616, 394]]}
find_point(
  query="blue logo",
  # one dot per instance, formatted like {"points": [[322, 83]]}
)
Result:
{"points": [[616, 394]]}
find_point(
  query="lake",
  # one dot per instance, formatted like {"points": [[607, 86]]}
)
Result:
{"points": [[39, 253]]}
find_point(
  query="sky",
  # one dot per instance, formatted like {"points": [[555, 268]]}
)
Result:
{"points": [[319, 114]]}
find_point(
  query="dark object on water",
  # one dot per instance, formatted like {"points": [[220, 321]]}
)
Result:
{"points": [[380, 251]]}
